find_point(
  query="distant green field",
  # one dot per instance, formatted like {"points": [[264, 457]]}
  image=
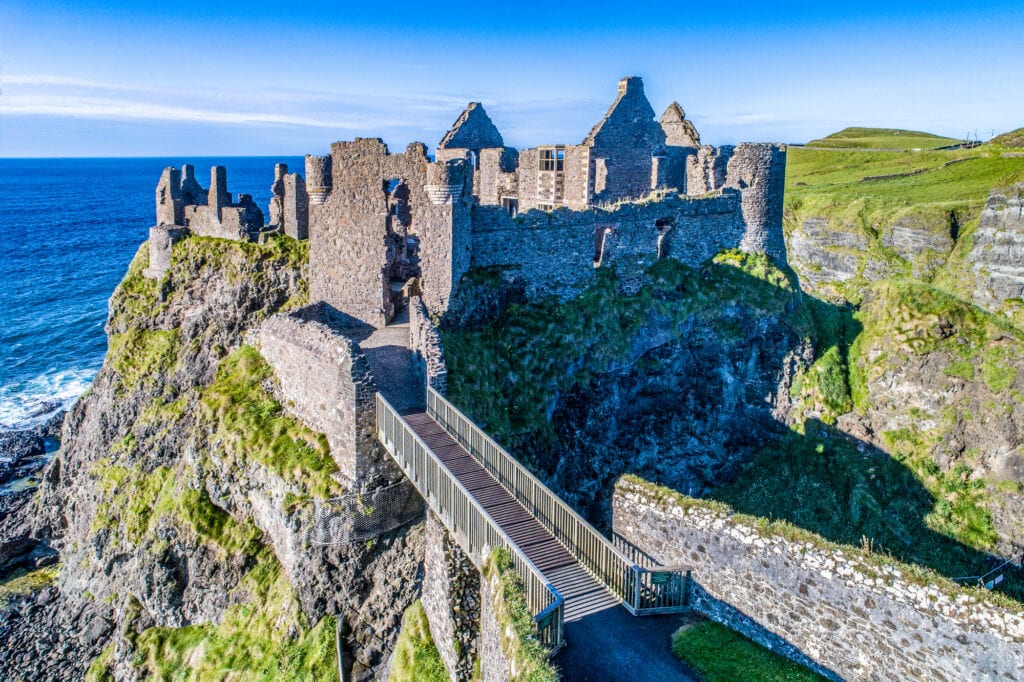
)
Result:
{"points": [[878, 185], [882, 138]]}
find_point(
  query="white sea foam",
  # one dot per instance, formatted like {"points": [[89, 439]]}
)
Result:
{"points": [[25, 404]]}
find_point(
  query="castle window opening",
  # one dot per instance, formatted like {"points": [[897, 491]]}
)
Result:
{"points": [[510, 204], [600, 237], [552, 158]]}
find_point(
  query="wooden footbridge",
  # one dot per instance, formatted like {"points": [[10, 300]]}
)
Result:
{"points": [[487, 499]]}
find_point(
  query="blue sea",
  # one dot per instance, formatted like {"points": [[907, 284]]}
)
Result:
{"points": [[68, 229]]}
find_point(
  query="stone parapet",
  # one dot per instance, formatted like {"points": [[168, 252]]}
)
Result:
{"points": [[844, 613]]}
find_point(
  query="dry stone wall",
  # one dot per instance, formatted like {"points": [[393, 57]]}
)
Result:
{"points": [[851, 617]]}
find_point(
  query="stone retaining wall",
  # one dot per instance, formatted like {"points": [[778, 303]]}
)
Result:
{"points": [[451, 599], [853, 616]]}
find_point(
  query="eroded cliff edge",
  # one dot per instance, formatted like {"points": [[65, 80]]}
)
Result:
{"points": [[180, 500]]}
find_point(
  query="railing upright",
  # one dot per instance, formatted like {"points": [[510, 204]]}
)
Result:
{"points": [[474, 529], [643, 590]]}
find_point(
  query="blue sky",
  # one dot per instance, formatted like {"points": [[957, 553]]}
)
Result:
{"points": [[185, 78]]}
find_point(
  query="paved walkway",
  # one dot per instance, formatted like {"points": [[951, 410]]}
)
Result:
{"points": [[611, 645], [394, 365]]}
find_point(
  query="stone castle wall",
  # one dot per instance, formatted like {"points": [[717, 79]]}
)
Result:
{"points": [[556, 252], [425, 342], [852, 618], [326, 382], [375, 203]]}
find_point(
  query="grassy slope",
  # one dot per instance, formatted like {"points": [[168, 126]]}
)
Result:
{"points": [[904, 505], [416, 658], [1014, 138], [723, 655], [264, 636], [882, 138]]}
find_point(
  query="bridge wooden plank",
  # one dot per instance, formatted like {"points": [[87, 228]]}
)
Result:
{"points": [[583, 594]]}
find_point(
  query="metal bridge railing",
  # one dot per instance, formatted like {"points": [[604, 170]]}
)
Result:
{"points": [[643, 590], [474, 529]]}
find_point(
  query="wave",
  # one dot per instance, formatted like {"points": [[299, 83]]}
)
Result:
{"points": [[29, 403]]}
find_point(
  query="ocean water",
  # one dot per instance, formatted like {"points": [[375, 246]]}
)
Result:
{"points": [[68, 229]]}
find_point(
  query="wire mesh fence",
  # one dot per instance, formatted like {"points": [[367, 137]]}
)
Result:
{"points": [[362, 516]]}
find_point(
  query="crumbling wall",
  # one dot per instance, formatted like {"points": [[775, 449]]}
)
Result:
{"points": [[425, 341], [377, 200], [326, 382], [496, 175], [848, 616], [162, 239], [557, 252], [451, 600], [289, 203], [706, 170], [759, 172]]}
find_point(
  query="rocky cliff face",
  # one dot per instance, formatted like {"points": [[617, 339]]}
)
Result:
{"points": [[180, 500], [938, 384], [679, 382], [997, 254]]}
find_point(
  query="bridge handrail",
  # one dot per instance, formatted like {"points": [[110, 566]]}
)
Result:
{"points": [[474, 529], [635, 585]]}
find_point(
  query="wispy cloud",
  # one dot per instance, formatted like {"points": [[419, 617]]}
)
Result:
{"points": [[50, 95]]}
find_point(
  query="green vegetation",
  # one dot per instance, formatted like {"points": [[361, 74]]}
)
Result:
{"points": [[140, 357], [139, 299], [862, 194], [263, 638], [248, 423], [22, 583], [723, 655], [416, 658], [528, 659], [1014, 138], [137, 502], [510, 372], [882, 138]]}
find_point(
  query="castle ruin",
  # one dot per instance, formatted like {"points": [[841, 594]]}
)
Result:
{"points": [[383, 226]]}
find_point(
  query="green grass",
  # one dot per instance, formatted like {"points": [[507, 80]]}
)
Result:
{"points": [[719, 654], [1014, 138], [509, 373], [22, 583], [882, 138], [528, 659], [865, 193], [246, 423], [136, 502], [416, 658], [265, 637]]}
